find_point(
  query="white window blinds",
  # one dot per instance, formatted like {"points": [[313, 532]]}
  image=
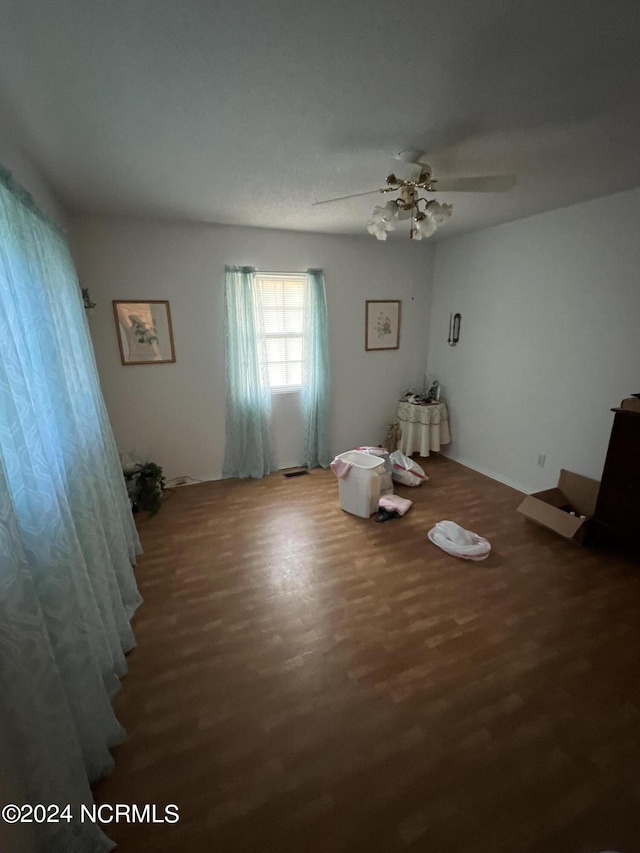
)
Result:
{"points": [[282, 303]]}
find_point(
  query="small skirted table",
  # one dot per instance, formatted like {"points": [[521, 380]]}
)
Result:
{"points": [[423, 427]]}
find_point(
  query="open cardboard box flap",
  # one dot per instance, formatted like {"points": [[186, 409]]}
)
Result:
{"points": [[544, 507], [581, 491]]}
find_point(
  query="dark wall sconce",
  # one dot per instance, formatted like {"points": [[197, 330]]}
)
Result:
{"points": [[86, 298], [454, 329]]}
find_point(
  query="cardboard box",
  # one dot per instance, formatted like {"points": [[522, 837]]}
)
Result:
{"points": [[572, 490]]}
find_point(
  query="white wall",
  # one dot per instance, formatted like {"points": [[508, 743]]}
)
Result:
{"points": [[174, 413], [14, 158], [550, 338]]}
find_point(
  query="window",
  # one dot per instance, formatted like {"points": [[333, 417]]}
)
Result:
{"points": [[282, 301]]}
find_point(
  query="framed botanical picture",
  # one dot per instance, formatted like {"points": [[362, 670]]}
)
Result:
{"points": [[382, 325], [144, 331]]}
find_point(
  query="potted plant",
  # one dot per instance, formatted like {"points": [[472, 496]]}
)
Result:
{"points": [[145, 484]]}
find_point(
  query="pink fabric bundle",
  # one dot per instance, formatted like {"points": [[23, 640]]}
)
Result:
{"points": [[395, 502], [341, 467]]}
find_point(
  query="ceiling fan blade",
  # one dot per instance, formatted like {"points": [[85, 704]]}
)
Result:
{"points": [[489, 184], [344, 197]]}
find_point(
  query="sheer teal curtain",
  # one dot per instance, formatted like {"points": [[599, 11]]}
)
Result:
{"points": [[67, 538], [248, 450], [314, 397]]}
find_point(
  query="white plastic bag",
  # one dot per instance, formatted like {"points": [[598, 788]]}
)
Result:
{"points": [[458, 542], [405, 470]]}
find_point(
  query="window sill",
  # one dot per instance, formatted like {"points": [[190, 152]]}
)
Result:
{"points": [[286, 389]]}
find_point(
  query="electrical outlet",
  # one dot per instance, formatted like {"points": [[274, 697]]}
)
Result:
{"points": [[542, 458]]}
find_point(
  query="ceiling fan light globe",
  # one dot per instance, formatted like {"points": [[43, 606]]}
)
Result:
{"points": [[408, 203], [438, 213], [443, 213], [390, 212], [426, 227], [378, 229]]}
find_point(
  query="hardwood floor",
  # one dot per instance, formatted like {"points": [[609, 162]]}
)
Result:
{"points": [[306, 680]]}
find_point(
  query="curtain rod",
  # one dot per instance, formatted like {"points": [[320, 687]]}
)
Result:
{"points": [[281, 274]]}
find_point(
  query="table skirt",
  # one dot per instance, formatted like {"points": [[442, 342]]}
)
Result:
{"points": [[423, 428]]}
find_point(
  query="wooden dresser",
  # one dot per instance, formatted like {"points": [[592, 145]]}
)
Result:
{"points": [[618, 506]]}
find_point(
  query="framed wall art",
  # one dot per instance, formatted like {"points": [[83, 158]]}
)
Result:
{"points": [[382, 324], [144, 331]]}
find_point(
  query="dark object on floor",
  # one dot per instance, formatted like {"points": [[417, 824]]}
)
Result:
{"points": [[386, 514], [296, 473], [145, 485]]}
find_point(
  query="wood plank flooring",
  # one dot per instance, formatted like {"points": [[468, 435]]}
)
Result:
{"points": [[306, 680]]}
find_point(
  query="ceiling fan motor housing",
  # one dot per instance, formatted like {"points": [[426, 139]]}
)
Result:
{"points": [[407, 198]]}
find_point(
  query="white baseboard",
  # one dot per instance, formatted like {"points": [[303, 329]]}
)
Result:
{"points": [[467, 464], [217, 475], [204, 478], [194, 478]]}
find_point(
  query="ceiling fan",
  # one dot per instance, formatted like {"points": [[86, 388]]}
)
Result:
{"points": [[427, 219]]}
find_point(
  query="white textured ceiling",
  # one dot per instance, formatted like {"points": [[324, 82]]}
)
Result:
{"points": [[246, 111]]}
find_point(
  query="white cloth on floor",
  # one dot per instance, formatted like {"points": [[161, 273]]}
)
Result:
{"points": [[458, 542]]}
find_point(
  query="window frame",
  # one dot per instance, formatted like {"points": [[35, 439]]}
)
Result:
{"points": [[279, 276]]}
